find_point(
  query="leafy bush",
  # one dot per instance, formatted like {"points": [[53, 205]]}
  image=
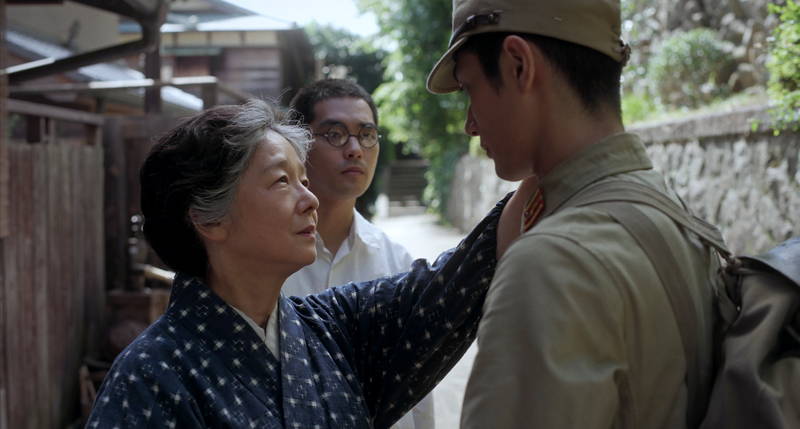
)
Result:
{"points": [[637, 108], [784, 66], [689, 69]]}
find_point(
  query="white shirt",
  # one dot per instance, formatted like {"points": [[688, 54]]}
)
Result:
{"points": [[367, 253]]}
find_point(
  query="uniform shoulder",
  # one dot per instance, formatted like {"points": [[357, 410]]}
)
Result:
{"points": [[578, 246], [584, 227]]}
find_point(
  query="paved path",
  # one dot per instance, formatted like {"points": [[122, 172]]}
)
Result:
{"points": [[425, 239]]}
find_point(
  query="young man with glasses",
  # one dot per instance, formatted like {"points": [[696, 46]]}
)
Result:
{"points": [[344, 123]]}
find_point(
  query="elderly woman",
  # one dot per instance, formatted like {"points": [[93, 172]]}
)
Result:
{"points": [[226, 205]]}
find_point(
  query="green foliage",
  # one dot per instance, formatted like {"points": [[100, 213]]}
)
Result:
{"points": [[336, 47], [688, 69], [419, 32], [640, 27], [637, 108], [784, 66]]}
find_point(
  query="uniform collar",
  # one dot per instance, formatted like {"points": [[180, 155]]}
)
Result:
{"points": [[616, 154]]}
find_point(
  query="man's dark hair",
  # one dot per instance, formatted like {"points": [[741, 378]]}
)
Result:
{"points": [[594, 76], [303, 103]]}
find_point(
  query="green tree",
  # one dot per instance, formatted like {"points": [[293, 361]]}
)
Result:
{"points": [[335, 47], [784, 66], [418, 33]]}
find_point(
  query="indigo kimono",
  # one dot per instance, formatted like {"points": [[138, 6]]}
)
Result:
{"points": [[355, 356]]}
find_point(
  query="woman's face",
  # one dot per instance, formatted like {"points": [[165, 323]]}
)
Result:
{"points": [[273, 217]]}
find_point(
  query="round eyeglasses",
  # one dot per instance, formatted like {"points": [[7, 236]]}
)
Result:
{"points": [[337, 135]]}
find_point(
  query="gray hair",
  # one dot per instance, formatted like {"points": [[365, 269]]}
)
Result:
{"points": [[242, 136]]}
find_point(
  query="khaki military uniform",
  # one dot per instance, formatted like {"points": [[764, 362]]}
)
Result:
{"points": [[577, 330]]}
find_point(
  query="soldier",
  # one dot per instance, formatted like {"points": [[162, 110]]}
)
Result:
{"points": [[577, 331]]}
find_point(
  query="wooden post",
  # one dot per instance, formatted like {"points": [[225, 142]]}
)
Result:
{"points": [[116, 204], [210, 94], [152, 70], [35, 128], [4, 197], [4, 214]]}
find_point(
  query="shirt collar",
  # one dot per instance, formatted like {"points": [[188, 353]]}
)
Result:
{"points": [[361, 231], [364, 231], [616, 154]]}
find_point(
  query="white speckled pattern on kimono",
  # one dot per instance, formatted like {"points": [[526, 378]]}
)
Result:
{"points": [[354, 356]]}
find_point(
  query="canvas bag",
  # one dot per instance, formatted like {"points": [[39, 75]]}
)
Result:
{"points": [[756, 383]]}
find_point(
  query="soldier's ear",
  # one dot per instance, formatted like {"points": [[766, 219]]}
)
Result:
{"points": [[520, 62]]}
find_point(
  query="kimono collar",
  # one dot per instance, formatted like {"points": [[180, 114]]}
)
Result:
{"points": [[202, 314]]}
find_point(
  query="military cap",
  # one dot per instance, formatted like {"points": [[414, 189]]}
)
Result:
{"points": [[591, 23]]}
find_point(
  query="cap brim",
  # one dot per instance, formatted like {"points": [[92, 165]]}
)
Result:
{"points": [[442, 80]]}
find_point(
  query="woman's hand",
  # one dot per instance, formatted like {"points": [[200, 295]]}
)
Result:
{"points": [[510, 226]]}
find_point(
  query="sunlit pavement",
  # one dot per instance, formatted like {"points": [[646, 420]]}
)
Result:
{"points": [[420, 234]]}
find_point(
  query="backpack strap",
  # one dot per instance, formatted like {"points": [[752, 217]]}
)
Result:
{"points": [[608, 195], [616, 191]]}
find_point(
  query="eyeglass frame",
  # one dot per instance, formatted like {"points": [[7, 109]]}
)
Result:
{"points": [[348, 135]]}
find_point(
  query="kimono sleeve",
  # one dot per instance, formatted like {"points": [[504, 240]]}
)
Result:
{"points": [[407, 331]]}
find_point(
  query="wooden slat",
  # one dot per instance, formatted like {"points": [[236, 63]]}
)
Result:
{"points": [[55, 272], [12, 308], [24, 230], [46, 111], [21, 371], [78, 191], [4, 344], [41, 284], [115, 204], [4, 198], [4, 221], [60, 287], [93, 262]]}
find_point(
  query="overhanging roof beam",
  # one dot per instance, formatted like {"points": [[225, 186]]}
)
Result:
{"points": [[150, 23]]}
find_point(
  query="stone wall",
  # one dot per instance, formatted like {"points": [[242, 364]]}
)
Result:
{"points": [[474, 191], [729, 168]]}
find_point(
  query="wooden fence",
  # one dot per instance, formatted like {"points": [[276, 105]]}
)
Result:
{"points": [[52, 290], [127, 141]]}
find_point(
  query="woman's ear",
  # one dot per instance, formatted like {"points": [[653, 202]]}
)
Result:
{"points": [[214, 231], [520, 62]]}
